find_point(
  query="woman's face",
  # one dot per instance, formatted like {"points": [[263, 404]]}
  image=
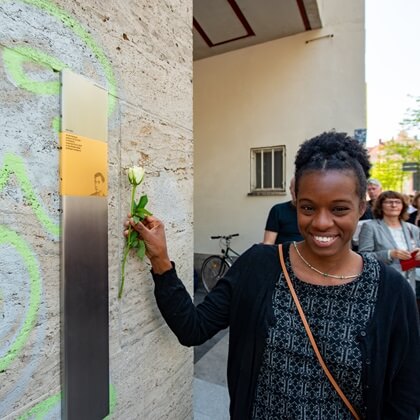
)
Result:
{"points": [[328, 208], [391, 207]]}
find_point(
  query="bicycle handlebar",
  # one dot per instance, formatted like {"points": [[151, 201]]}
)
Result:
{"points": [[225, 237]]}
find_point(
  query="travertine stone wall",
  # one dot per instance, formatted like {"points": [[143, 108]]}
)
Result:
{"points": [[141, 51]]}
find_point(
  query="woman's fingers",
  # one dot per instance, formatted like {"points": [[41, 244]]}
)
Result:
{"points": [[134, 225], [401, 254]]}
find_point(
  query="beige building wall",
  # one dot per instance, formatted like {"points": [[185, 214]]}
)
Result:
{"points": [[277, 93], [141, 52]]}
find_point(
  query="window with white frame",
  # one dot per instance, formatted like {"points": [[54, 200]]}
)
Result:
{"points": [[268, 170]]}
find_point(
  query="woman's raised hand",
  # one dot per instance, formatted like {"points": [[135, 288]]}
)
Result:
{"points": [[152, 231]]}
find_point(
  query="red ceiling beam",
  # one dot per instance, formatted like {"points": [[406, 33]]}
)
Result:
{"points": [[241, 18], [304, 15]]}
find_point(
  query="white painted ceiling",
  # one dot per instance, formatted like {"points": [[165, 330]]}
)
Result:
{"points": [[225, 25]]}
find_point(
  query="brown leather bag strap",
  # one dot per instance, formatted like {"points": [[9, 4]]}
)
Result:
{"points": [[312, 339]]}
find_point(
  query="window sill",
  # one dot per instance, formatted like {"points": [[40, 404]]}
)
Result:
{"points": [[265, 193]]}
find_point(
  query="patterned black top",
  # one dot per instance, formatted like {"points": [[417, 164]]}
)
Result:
{"points": [[291, 382]]}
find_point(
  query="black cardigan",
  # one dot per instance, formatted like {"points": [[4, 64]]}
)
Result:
{"points": [[242, 301]]}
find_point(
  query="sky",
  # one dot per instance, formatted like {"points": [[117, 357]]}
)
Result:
{"points": [[392, 64]]}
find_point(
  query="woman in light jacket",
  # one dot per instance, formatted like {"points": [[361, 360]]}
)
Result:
{"points": [[388, 236]]}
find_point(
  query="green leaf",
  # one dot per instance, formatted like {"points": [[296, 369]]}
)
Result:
{"points": [[132, 237], [141, 251], [136, 218], [142, 202], [135, 243], [143, 213], [140, 217]]}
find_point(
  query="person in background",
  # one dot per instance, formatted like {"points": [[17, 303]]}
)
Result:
{"points": [[374, 189], [388, 237], [414, 217], [409, 200], [281, 225], [362, 313]]}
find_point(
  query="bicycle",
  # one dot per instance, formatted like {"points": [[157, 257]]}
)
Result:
{"points": [[215, 266]]}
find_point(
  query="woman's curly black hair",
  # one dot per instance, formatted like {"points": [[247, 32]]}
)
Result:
{"points": [[333, 151]]}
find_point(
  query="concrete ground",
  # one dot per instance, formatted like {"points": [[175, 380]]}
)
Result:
{"points": [[211, 400]]}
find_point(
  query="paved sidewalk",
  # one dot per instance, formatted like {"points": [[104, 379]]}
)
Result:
{"points": [[211, 399]]}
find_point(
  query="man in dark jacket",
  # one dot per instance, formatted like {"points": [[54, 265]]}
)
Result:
{"points": [[281, 225]]}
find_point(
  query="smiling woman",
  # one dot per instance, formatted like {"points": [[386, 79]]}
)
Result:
{"points": [[328, 211], [358, 310], [331, 172]]}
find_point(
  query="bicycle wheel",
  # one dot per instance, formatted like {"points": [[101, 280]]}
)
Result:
{"points": [[212, 270]]}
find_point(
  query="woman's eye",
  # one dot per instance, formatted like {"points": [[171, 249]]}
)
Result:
{"points": [[340, 210], [306, 208]]}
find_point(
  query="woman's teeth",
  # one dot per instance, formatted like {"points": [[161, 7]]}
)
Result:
{"points": [[324, 239]]}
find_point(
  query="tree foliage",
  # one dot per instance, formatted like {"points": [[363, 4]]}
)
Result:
{"points": [[389, 162], [412, 116]]}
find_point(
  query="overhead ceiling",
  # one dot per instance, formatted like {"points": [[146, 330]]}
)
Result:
{"points": [[220, 26]]}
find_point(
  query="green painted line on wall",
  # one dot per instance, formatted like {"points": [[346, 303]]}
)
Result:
{"points": [[15, 60], [11, 238], [39, 411], [15, 164], [56, 124], [78, 29], [112, 401]]}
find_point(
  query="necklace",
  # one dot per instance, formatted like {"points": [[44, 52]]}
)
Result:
{"points": [[334, 276]]}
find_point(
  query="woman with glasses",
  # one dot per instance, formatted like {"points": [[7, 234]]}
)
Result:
{"points": [[389, 237]]}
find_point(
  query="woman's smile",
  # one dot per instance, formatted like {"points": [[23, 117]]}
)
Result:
{"points": [[324, 240]]}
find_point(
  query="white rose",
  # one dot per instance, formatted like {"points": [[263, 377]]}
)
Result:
{"points": [[135, 175]]}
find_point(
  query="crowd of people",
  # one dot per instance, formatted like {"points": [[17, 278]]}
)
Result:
{"points": [[390, 238], [316, 330], [388, 229]]}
